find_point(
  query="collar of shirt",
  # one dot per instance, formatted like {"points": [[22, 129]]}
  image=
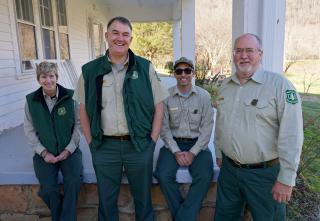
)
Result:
{"points": [[177, 92], [51, 98], [119, 67], [258, 77]]}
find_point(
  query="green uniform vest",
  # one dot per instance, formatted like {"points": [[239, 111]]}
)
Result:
{"points": [[53, 129], [137, 98]]}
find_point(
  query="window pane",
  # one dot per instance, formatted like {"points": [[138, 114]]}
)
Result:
{"points": [[18, 9], [49, 44], [46, 13], [27, 65], [24, 10], [46, 17], [64, 46], [62, 13], [27, 41]]}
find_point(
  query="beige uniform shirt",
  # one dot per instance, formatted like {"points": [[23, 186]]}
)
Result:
{"points": [[31, 133], [260, 121], [113, 119], [187, 116]]}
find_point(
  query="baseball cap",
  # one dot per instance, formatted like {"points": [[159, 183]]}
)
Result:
{"points": [[183, 60]]}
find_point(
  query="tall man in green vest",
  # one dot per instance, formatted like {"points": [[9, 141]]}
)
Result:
{"points": [[52, 128], [121, 114]]}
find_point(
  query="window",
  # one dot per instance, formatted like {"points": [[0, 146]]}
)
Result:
{"points": [[47, 29], [42, 41], [96, 38], [26, 31], [63, 30]]}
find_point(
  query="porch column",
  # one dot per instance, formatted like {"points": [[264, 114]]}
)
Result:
{"points": [[188, 28], [267, 20], [176, 40]]}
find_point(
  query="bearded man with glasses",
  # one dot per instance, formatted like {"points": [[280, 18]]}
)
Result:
{"points": [[258, 138], [186, 131]]}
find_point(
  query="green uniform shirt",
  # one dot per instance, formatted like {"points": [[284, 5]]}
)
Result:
{"points": [[259, 121], [188, 116]]}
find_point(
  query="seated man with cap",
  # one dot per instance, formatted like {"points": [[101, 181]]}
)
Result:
{"points": [[186, 131]]}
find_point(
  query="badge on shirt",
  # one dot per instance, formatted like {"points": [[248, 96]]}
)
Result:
{"points": [[62, 111], [254, 102], [291, 96], [134, 75]]}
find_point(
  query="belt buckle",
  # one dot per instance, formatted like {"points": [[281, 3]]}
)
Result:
{"points": [[237, 163], [123, 138]]}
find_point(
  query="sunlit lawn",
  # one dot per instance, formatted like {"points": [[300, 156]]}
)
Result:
{"points": [[312, 111], [303, 70]]}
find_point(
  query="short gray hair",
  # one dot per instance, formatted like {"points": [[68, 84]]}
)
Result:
{"points": [[46, 67], [253, 35], [120, 19]]}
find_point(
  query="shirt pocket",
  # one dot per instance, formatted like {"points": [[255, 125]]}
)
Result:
{"points": [[174, 117], [108, 94], [195, 118], [262, 108]]}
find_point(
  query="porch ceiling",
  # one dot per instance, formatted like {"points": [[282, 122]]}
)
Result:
{"points": [[140, 3]]}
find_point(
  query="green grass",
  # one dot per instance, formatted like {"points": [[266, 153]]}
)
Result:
{"points": [[307, 71], [305, 201], [311, 112]]}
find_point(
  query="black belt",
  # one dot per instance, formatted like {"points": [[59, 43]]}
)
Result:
{"points": [[184, 139], [264, 164], [123, 137]]}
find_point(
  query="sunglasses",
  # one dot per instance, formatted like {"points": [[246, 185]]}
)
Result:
{"points": [[180, 70]]}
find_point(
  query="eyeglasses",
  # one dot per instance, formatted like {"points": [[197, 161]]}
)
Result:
{"points": [[249, 51], [186, 71]]}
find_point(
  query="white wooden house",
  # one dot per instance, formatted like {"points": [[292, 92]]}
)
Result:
{"points": [[71, 32]]}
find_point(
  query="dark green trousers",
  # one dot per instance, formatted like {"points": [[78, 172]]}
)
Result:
{"points": [[240, 186], [62, 207], [201, 171], [108, 161]]}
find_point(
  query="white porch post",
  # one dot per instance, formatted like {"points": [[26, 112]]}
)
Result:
{"points": [[267, 20], [176, 40], [188, 29]]}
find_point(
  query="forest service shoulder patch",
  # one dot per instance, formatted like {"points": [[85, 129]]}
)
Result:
{"points": [[291, 96]]}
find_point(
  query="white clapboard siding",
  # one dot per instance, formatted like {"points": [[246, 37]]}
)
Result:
{"points": [[6, 63], [4, 2], [5, 54], [4, 10], [11, 107], [7, 72], [78, 30], [5, 36], [17, 94], [17, 86], [4, 19], [5, 45], [9, 81], [4, 100], [12, 99], [12, 119], [4, 27]]}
